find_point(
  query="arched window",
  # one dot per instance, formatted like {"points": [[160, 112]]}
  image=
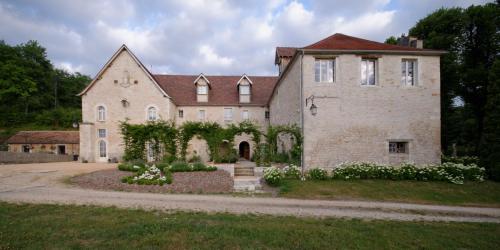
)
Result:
{"points": [[152, 116], [102, 148], [101, 113]]}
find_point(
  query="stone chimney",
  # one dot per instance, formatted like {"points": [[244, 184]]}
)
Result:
{"points": [[410, 41]]}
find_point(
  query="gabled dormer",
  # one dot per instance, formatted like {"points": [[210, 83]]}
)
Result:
{"points": [[245, 89], [202, 86]]}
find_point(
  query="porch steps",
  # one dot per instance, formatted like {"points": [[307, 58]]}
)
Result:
{"points": [[243, 171], [247, 184]]}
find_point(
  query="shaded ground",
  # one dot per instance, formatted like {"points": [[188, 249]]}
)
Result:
{"points": [[183, 182], [88, 227]]}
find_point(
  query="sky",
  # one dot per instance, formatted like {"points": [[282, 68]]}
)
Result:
{"points": [[200, 36]]}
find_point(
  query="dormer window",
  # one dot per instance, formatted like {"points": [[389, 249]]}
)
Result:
{"points": [[244, 87], [202, 90], [202, 87]]}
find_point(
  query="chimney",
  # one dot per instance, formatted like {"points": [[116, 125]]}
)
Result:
{"points": [[410, 41]]}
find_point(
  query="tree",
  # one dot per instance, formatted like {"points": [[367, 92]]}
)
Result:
{"points": [[391, 40], [490, 141]]}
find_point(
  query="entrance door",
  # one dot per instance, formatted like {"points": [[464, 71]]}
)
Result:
{"points": [[26, 148], [103, 154], [61, 149], [245, 150]]}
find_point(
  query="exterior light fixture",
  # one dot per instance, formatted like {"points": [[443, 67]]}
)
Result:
{"points": [[313, 109], [75, 124], [125, 103]]}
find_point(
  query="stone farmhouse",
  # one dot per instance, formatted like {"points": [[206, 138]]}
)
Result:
{"points": [[354, 100]]}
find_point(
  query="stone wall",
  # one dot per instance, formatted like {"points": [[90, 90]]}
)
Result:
{"points": [[17, 158], [71, 149], [356, 123], [109, 91]]}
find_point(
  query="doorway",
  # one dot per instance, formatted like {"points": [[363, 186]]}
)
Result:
{"points": [[61, 149], [245, 150]]}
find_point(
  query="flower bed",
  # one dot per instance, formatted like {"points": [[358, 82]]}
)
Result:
{"points": [[159, 174], [450, 172]]}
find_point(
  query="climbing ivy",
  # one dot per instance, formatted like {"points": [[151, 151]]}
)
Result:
{"points": [[164, 139], [160, 135]]}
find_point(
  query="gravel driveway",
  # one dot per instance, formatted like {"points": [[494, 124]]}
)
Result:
{"points": [[47, 183]]}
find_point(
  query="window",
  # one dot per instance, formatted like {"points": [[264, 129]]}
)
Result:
{"points": [[267, 115], [228, 114], [201, 115], [244, 90], [245, 115], [408, 72], [102, 148], [368, 69], [181, 113], [202, 89], [398, 147], [101, 113], [152, 114], [323, 70], [101, 133]]}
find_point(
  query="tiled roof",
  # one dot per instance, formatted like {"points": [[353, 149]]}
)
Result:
{"points": [[340, 41], [45, 137], [223, 89]]}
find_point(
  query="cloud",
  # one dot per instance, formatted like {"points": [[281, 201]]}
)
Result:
{"points": [[210, 36]]}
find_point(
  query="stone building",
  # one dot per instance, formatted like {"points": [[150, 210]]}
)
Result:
{"points": [[354, 100], [54, 142]]}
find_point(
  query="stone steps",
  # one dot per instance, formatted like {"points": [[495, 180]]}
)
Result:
{"points": [[246, 184], [244, 171]]}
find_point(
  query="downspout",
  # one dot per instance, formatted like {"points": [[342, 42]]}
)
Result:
{"points": [[302, 110]]}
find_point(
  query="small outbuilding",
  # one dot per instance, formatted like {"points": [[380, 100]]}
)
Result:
{"points": [[55, 142]]}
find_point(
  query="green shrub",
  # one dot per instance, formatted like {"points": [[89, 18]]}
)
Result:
{"points": [[180, 166], [292, 172], [195, 158], [162, 165], [138, 162], [129, 167], [150, 175], [169, 159], [198, 166], [273, 176], [317, 174], [465, 160]]}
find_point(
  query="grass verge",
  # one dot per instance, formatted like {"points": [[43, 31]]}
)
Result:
{"points": [[471, 193], [54, 226]]}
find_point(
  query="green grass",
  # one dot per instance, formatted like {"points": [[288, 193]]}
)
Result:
{"points": [[53, 226], [471, 193]]}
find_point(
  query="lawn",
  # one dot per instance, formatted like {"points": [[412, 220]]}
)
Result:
{"points": [[471, 193], [53, 226]]}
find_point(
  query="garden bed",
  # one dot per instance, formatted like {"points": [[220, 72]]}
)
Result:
{"points": [[183, 182]]}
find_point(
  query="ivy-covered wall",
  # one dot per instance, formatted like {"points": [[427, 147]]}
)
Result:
{"points": [[168, 142]]}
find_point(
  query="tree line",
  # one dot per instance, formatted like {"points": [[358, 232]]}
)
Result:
{"points": [[470, 72], [33, 91]]}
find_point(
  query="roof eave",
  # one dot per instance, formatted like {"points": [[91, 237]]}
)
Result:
{"points": [[361, 52]]}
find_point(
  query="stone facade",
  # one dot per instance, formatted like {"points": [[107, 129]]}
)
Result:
{"points": [[70, 149], [355, 122]]}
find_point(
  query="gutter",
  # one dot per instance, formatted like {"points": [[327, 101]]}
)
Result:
{"points": [[361, 52], [302, 109]]}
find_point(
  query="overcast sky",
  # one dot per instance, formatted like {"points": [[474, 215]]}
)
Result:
{"points": [[194, 36]]}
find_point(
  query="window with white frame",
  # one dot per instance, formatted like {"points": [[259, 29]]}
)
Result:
{"points": [[102, 148], [181, 113], [228, 114], [244, 89], [152, 114], [202, 89], [398, 147], [101, 133], [368, 71], [101, 113], [201, 115], [245, 115], [409, 72], [324, 70]]}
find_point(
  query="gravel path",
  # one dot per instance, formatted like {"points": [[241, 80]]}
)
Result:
{"points": [[186, 182], [41, 183]]}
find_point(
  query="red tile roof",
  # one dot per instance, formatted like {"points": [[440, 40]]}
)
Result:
{"points": [[45, 137], [223, 89], [340, 41]]}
